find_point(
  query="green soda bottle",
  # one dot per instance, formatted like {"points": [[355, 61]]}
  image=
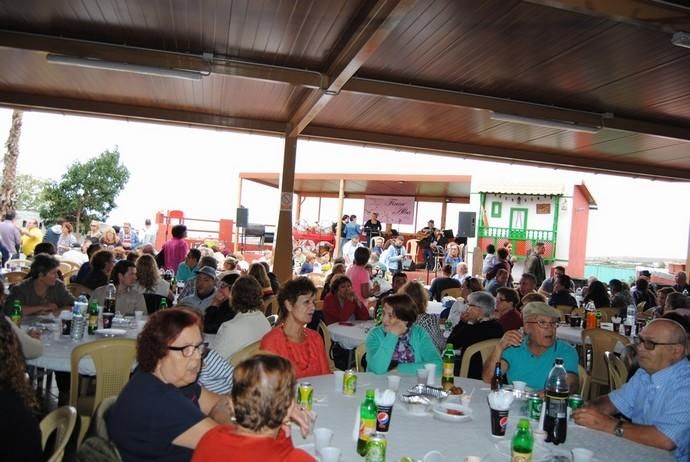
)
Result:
{"points": [[523, 442], [93, 318], [379, 315], [163, 304], [448, 366], [367, 422], [17, 313]]}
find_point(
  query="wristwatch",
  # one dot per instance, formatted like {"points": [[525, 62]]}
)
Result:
{"points": [[619, 430]]}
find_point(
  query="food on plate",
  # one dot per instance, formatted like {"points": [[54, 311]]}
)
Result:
{"points": [[454, 412], [453, 390]]}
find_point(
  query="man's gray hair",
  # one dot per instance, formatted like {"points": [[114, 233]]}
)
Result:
{"points": [[483, 300]]}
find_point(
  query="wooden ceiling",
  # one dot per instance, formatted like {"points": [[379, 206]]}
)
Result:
{"points": [[425, 75]]}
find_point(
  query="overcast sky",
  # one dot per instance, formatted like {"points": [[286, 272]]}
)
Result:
{"points": [[196, 170]]}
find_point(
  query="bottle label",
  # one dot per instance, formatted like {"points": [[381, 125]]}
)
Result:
{"points": [[521, 457], [448, 369], [366, 426]]}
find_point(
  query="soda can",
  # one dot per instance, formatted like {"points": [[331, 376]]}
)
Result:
{"points": [[376, 448], [534, 403], [349, 382], [305, 395], [575, 401]]}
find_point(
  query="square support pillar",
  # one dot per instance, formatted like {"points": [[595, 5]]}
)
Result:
{"points": [[282, 249]]}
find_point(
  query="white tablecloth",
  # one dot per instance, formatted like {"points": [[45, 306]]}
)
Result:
{"points": [[57, 350], [351, 334], [570, 334], [412, 435]]}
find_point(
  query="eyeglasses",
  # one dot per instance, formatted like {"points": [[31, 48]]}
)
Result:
{"points": [[188, 350], [650, 344], [544, 324]]}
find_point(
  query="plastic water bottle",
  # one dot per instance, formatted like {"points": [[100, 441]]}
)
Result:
{"points": [[631, 314], [556, 392], [79, 315]]}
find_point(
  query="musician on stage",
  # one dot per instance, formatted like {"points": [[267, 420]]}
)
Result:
{"points": [[426, 237]]}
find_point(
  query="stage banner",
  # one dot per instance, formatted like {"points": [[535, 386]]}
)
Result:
{"points": [[391, 209]]}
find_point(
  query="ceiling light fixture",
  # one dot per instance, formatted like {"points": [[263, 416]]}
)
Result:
{"points": [[563, 125], [124, 67], [681, 39]]}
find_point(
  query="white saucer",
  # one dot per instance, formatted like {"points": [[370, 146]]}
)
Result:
{"points": [[441, 412], [111, 332]]}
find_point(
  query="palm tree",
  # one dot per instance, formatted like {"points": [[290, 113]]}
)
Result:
{"points": [[8, 194]]}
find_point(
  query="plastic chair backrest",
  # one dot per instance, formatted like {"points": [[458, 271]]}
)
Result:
{"points": [[584, 381], [608, 313], [618, 374], [360, 352], [411, 248], [62, 421], [484, 348], [78, 289], [15, 277], [98, 426], [271, 305], [244, 353], [322, 328], [113, 360], [602, 340], [452, 292], [564, 309]]}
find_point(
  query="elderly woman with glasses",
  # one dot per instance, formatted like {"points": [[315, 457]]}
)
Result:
{"points": [[163, 412], [530, 356]]}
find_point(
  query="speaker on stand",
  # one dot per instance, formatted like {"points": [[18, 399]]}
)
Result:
{"points": [[241, 221]]}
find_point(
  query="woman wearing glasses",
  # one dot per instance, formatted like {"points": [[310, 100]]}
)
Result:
{"points": [[162, 412], [530, 356]]}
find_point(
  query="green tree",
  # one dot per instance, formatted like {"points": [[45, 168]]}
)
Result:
{"points": [[86, 191], [30, 191]]}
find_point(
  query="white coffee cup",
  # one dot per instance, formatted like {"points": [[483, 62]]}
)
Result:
{"points": [[338, 380], [433, 456], [582, 455], [519, 385], [330, 454], [138, 315], [393, 382], [431, 374], [322, 438], [422, 375]]}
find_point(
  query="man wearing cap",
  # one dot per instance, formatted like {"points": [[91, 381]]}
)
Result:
{"points": [[530, 357], [204, 289], [655, 399]]}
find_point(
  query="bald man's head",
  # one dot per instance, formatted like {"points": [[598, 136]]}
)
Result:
{"points": [[663, 343]]}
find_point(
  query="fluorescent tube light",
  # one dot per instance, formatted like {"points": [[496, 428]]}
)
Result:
{"points": [[544, 123], [681, 39], [123, 67]]}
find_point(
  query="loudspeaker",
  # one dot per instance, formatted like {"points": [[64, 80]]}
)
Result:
{"points": [[242, 218], [466, 224]]}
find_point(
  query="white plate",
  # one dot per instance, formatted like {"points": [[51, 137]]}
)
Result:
{"points": [[441, 412], [540, 452], [111, 332]]}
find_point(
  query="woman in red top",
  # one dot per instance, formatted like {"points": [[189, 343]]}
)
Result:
{"points": [[290, 338], [341, 304], [263, 396]]}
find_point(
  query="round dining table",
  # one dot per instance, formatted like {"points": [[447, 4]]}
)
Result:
{"points": [[413, 435]]}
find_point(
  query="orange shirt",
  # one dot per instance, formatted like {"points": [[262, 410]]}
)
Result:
{"points": [[308, 358], [222, 443]]}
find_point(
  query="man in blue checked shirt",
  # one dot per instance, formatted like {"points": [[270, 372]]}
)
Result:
{"points": [[656, 398]]}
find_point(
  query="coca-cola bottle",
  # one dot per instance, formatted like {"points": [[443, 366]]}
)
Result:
{"points": [[556, 404], [109, 305]]}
